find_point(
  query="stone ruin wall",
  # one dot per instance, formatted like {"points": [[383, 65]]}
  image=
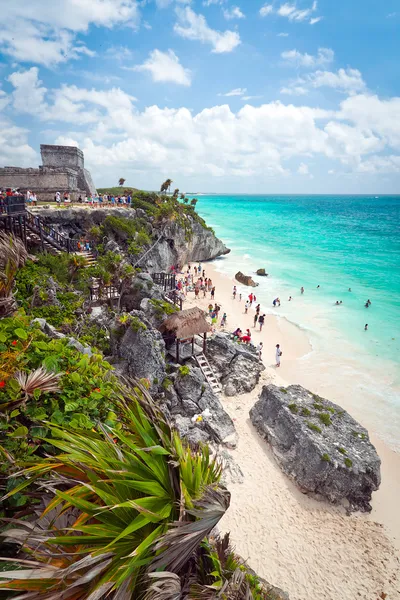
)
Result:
{"points": [[62, 170]]}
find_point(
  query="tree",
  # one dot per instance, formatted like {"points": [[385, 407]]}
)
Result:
{"points": [[193, 202], [166, 186], [176, 193], [13, 255], [121, 181]]}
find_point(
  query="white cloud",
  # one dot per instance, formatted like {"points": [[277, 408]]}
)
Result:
{"points": [[291, 12], [246, 98], [323, 57], [165, 66], [194, 26], [295, 90], [233, 13], [235, 92], [210, 2], [363, 133], [303, 169], [14, 148], [44, 31], [267, 9], [346, 80], [283, 35]]}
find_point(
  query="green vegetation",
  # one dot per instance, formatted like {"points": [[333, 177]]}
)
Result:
{"points": [[293, 408], [163, 308], [325, 419], [342, 451], [166, 384], [318, 406], [82, 395], [305, 412], [283, 390], [183, 371], [137, 324], [348, 463], [313, 427], [330, 409], [325, 457]]}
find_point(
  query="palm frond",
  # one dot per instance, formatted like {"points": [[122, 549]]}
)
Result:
{"points": [[39, 379], [163, 586]]}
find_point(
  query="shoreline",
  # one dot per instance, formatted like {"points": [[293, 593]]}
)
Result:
{"points": [[308, 547]]}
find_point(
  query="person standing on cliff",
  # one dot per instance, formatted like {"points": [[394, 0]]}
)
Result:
{"points": [[278, 354]]}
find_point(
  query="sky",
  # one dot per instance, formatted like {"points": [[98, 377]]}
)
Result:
{"points": [[219, 95]]}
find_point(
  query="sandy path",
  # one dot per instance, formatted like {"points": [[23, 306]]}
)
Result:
{"points": [[309, 548]]}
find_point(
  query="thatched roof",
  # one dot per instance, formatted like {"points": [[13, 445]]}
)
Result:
{"points": [[186, 323]]}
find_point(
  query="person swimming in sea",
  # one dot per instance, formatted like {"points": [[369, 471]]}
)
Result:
{"points": [[302, 290], [366, 327], [290, 299]]}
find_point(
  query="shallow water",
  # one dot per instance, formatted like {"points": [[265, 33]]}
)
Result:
{"points": [[336, 242]]}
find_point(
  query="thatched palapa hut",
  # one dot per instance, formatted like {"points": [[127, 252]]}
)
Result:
{"points": [[182, 327]]}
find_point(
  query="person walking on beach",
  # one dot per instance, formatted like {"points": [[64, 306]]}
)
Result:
{"points": [[251, 299], [212, 293], [246, 307], [255, 319], [261, 320], [259, 350], [258, 308], [223, 320], [234, 292], [278, 354]]}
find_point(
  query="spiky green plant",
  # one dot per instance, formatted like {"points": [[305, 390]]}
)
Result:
{"points": [[138, 500], [13, 255]]}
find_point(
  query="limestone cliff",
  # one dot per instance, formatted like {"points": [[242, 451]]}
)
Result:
{"points": [[170, 243]]}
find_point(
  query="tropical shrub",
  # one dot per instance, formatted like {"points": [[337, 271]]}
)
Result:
{"points": [[12, 256], [86, 386], [115, 493]]}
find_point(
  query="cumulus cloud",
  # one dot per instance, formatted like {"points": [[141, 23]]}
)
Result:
{"points": [[194, 26], [45, 32], [233, 13], [348, 81], [165, 67], [266, 10], [217, 141], [294, 90], [324, 56], [235, 92]]}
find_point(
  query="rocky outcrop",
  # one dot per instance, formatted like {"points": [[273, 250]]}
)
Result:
{"points": [[176, 248], [171, 245], [237, 365], [141, 349], [142, 286], [190, 396], [318, 444], [52, 333], [261, 273], [245, 279]]}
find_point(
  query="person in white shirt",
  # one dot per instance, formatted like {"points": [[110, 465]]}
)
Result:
{"points": [[246, 307], [278, 355], [259, 350]]}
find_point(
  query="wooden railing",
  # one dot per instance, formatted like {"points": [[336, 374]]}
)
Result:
{"points": [[49, 234], [166, 280]]}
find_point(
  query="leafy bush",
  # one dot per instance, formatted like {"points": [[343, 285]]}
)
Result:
{"points": [[120, 227], [86, 386], [305, 412], [183, 370], [163, 308], [314, 427], [342, 451], [348, 463], [326, 458], [137, 324], [293, 408]]}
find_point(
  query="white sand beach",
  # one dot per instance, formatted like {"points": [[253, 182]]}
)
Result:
{"points": [[307, 547]]}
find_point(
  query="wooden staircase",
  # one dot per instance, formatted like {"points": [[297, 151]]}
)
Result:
{"points": [[89, 257], [208, 373]]}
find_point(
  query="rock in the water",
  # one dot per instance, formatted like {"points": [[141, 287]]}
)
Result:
{"points": [[318, 444], [195, 396], [245, 279], [237, 365], [142, 349], [261, 272]]}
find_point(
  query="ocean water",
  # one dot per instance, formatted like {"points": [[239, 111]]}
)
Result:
{"points": [[336, 242]]}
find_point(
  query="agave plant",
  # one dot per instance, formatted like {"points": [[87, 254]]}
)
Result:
{"points": [[13, 255], [39, 379], [145, 501]]}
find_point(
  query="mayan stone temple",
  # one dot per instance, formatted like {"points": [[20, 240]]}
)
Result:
{"points": [[62, 170]]}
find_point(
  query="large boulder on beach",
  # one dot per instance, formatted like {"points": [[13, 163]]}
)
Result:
{"points": [[245, 279], [236, 365], [261, 273], [192, 396], [318, 444]]}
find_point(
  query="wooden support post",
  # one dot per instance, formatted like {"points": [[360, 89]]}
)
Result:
{"points": [[41, 235], [205, 343], [193, 346]]}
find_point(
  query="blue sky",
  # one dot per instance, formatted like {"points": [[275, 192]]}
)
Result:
{"points": [[219, 95]]}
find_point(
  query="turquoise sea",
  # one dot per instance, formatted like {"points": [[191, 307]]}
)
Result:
{"points": [[336, 242]]}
